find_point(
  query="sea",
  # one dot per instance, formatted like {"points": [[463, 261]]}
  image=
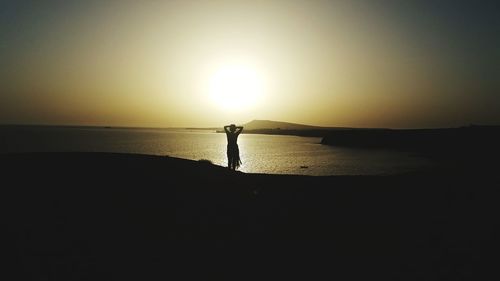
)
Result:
{"points": [[270, 154]]}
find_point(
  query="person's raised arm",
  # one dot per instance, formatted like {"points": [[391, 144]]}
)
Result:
{"points": [[239, 129], [226, 128]]}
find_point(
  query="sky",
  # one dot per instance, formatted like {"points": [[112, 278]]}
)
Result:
{"points": [[379, 63]]}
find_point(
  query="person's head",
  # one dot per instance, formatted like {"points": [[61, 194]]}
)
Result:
{"points": [[232, 128]]}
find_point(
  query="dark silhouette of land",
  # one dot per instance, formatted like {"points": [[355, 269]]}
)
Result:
{"points": [[104, 216], [278, 125], [472, 144]]}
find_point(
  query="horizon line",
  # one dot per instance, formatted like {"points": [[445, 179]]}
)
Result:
{"points": [[215, 128]]}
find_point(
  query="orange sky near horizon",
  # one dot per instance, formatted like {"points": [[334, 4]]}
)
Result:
{"points": [[207, 63]]}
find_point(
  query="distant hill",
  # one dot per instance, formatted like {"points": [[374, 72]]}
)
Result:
{"points": [[268, 124], [269, 127]]}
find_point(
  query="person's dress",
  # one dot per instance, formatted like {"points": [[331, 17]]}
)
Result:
{"points": [[233, 154]]}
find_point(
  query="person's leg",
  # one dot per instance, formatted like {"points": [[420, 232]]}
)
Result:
{"points": [[229, 159], [233, 162], [236, 159]]}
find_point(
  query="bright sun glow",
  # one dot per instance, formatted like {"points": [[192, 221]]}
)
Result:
{"points": [[236, 87]]}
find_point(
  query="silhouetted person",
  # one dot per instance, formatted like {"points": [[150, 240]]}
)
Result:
{"points": [[233, 152]]}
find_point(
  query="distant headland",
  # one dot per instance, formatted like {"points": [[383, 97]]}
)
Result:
{"points": [[269, 127]]}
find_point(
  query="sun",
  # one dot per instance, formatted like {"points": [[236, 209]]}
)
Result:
{"points": [[234, 87]]}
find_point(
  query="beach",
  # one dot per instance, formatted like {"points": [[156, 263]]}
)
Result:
{"points": [[109, 216]]}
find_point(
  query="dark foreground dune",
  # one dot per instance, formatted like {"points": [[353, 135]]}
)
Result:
{"points": [[101, 216]]}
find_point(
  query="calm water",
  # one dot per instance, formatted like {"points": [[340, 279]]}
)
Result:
{"points": [[259, 153]]}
